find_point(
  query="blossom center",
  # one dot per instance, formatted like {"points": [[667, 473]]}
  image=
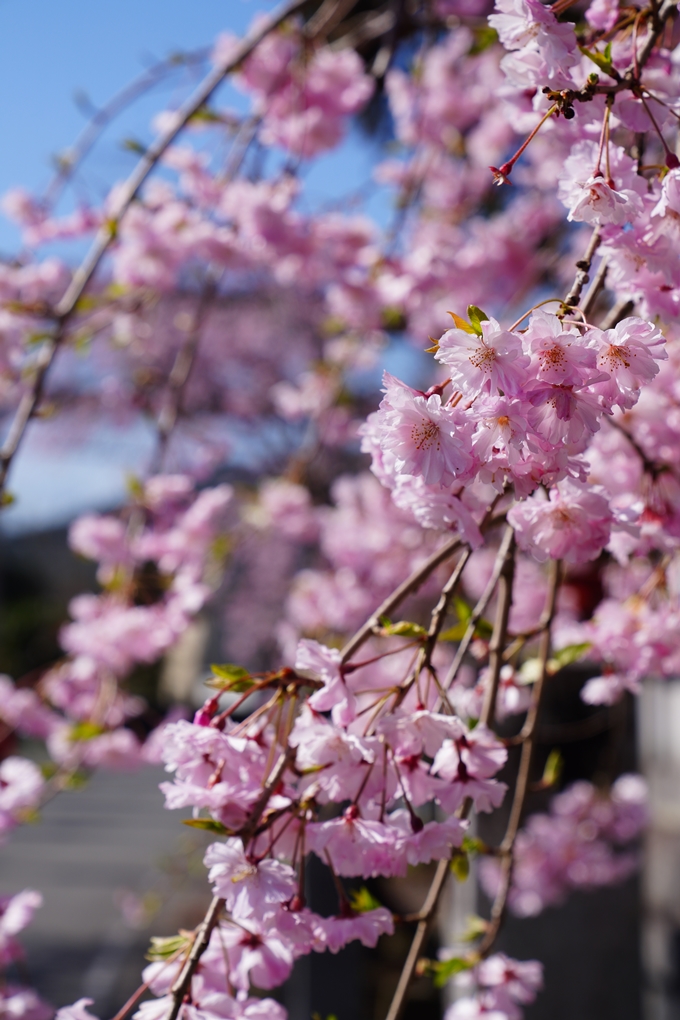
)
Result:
{"points": [[616, 357], [425, 435], [552, 357], [483, 358]]}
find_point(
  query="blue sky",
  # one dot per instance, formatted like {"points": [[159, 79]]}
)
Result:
{"points": [[50, 49]]}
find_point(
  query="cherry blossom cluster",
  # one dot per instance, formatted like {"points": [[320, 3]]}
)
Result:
{"points": [[154, 569], [501, 985], [576, 846], [520, 411]]}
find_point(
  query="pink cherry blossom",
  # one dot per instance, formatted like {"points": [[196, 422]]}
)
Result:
{"points": [[629, 354], [249, 887], [324, 663], [21, 785], [24, 1004], [367, 927], [487, 363], [77, 1011], [422, 434], [257, 955], [16, 912], [574, 524], [591, 198]]}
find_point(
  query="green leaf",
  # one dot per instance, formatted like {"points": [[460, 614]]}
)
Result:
{"points": [[135, 487], [163, 948], [484, 628], [6, 498], [229, 677], [484, 38], [460, 866], [463, 610], [444, 970], [208, 824], [455, 633], [86, 731], [363, 900], [475, 928], [393, 319], [133, 145], [404, 628], [33, 339], [204, 115], [553, 768], [76, 780], [464, 613], [474, 845], [570, 653], [477, 317], [601, 60], [312, 769], [27, 815]]}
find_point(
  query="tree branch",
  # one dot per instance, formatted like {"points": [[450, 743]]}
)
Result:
{"points": [[183, 982], [479, 609], [407, 587], [521, 788], [426, 913], [504, 574], [500, 630], [180, 372], [583, 269]]}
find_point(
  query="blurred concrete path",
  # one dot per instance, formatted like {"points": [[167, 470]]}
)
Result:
{"points": [[112, 835]]}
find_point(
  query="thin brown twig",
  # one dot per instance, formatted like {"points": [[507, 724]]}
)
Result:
{"points": [[183, 982], [144, 987], [407, 587], [426, 913], [596, 286], [619, 311], [500, 631], [583, 269], [522, 786], [480, 608], [437, 617], [69, 161], [180, 372], [201, 941], [246, 831], [328, 16], [429, 907]]}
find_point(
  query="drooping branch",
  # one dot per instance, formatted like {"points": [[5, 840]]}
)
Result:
{"points": [[583, 269], [410, 585], [201, 942], [499, 636], [69, 161], [480, 607], [528, 737], [505, 564], [427, 912], [180, 372]]}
